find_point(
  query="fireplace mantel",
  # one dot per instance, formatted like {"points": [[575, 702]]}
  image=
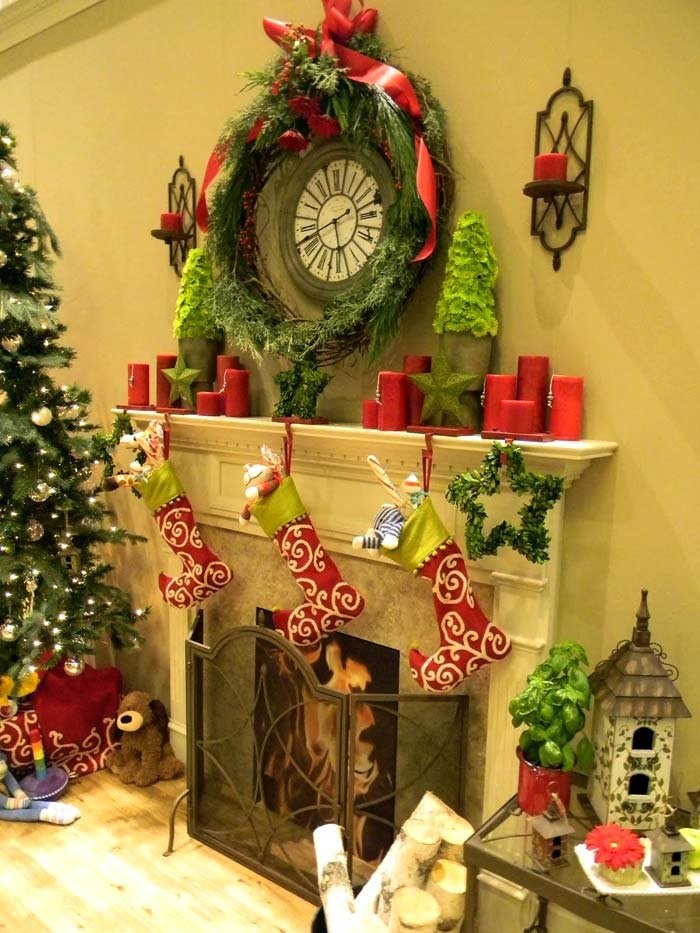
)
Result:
{"points": [[331, 472]]}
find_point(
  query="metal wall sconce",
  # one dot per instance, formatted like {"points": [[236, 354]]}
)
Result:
{"points": [[178, 227], [562, 169]]}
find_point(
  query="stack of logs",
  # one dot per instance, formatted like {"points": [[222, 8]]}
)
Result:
{"points": [[420, 885]]}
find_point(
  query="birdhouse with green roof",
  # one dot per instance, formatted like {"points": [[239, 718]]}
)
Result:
{"points": [[636, 704]]}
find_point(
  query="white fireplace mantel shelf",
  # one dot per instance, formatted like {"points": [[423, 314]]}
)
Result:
{"points": [[341, 492]]}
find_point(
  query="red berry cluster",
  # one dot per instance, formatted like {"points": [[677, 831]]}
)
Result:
{"points": [[246, 237], [282, 79]]}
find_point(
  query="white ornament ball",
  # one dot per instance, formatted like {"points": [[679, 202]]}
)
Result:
{"points": [[34, 530], [74, 667], [42, 416], [9, 630], [11, 344]]}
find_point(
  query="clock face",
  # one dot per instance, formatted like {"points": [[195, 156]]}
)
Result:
{"points": [[335, 208]]}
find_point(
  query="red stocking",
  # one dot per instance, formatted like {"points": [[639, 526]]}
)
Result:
{"points": [[330, 602], [468, 640], [203, 573]]}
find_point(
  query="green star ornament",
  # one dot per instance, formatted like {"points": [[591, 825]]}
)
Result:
{"points": [[181, 379], [443, 389]]}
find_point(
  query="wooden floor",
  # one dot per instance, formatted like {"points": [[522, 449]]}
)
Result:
{"points": [[107, 871]]}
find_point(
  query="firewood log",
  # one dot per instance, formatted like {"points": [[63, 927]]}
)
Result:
{"points": [[413, 911], [454, 831], [448, 885], [333, 879]]}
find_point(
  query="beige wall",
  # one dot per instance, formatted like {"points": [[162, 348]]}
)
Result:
{"points": [[105, 102]]}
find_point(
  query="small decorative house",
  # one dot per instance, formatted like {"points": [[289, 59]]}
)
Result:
{"points": [[669, 855], [550, 836], [635, 707]]}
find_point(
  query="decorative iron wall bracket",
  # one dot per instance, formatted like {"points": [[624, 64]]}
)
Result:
{"points": [[182, 199], [560, 206]]}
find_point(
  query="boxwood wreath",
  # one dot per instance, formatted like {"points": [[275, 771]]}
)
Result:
{"points": [[306, 95], [531, 538]]}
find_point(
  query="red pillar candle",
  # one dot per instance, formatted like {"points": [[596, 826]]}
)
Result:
{"points": [[370, 413], [163, 361], [392, 398], [551, 166], [414, 396], [517, 417], [533, 383], [138, 376], [171, 221], [224, 362], [209, 403], [496, 388], [236, 393], [567, 408]]}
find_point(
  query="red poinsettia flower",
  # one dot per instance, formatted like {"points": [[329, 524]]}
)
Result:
{"points": [[324, 125], [304, 106], [614, 846], [292, 140]]}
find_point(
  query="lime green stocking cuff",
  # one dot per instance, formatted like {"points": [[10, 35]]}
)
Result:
{"points": [[422, 534], [279, 508], [160, 487]]}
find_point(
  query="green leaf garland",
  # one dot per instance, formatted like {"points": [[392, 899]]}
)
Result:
{"points": [[531, 538]]}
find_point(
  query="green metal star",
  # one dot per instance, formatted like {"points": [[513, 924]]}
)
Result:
{"points": [[443, 389], [181, 379]]}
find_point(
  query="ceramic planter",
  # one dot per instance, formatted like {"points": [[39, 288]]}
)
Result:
{"points": [[537, 784]]}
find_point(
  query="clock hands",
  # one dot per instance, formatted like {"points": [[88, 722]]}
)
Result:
{"points": [[335, 220]]}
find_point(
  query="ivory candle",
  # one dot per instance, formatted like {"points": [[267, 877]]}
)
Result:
{"points": [[551, 166], [414, 396], [38, 754], [138, 376], [224, 362], [209, 403], [566, 412], [163, 361], [370, 413], [391, 395], [496, 388], [517, 417], [532, 385], [236, 393]]}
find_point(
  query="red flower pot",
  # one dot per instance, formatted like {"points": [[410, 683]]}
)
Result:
{"points": [[537, 784]]}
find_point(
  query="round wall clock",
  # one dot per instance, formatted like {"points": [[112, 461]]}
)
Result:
{"points": [[332, 217]]}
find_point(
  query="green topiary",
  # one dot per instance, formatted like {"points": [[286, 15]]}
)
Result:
{"points": [[193, 311], [466, 303]]}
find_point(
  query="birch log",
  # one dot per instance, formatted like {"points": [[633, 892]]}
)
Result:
{"points": [[448, 885], [454, 831], [333, 879], [417, 850], [413, 911]]}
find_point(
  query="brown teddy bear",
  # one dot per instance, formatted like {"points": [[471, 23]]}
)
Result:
{"points": [[146, 755]]}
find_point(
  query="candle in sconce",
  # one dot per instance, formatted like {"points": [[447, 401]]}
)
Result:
{"points": [[414, 396], [236, 393], [209, 403], [171, 221], [392, 398], [370, 413], [532, 385], [551, 166], [38, 754], [517, 417], [496, 388], [163, 387], [224, 362], [138, 376], [566, 413]]}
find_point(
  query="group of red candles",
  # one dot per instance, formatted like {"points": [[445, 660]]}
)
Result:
{"points": [[231, 396], [517, 405], [399, 401]]}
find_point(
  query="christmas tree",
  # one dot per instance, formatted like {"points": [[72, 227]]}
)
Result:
{"points": [[55, 603]]}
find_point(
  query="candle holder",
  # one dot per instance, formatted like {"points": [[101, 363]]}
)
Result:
{"points": [[182, 199], [560, 205]]}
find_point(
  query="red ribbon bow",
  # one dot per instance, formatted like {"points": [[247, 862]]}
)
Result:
{"points": [[338, 26]]}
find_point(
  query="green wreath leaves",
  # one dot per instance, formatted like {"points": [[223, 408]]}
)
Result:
{"points": [[365, 317], [531, 538]]}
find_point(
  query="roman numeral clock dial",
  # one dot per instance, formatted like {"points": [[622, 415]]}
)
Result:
{"points": [[334, 218]]}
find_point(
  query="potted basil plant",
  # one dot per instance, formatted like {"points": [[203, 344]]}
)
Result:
{"points": [[552, 707], [198, 335]]}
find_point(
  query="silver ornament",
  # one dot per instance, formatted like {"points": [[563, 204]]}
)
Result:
{"points": [[34, 530], [42, 416], [9, 630], [74, 667], [11, 344]]}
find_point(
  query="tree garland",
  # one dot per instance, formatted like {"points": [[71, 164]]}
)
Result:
{"points": [[531, 539], [307, 96]]}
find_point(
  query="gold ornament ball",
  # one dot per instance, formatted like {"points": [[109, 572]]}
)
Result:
{"points": [[42, 416], [34, 530], [74, 667], [41, 493], [3, 396], [9, 630], [11, 344]]}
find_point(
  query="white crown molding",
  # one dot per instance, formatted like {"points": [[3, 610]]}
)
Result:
{"points": [[22, 19]]}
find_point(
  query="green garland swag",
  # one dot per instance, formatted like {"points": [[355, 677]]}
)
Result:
{"points": [[531, 539], [258, 141]]}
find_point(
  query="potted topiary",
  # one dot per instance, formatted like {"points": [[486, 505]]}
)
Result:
{"points": [[467, 305], [199, 337], [553, 708]]}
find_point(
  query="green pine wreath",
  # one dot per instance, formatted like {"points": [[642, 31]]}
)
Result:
{"points": [[304, 97], [531, 538]]}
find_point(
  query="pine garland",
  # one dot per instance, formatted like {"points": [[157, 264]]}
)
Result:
{"points": [[365, 317], [531, 538]]}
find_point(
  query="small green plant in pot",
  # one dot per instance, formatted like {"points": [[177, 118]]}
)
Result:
{"points": [[552, 707], [199, 337]]}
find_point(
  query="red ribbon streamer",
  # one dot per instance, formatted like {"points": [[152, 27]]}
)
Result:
{"points": [[337, 27]]}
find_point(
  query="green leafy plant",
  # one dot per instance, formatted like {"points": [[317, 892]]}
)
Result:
{"points": [[467, 304], [193, 311], [553, 707]]}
